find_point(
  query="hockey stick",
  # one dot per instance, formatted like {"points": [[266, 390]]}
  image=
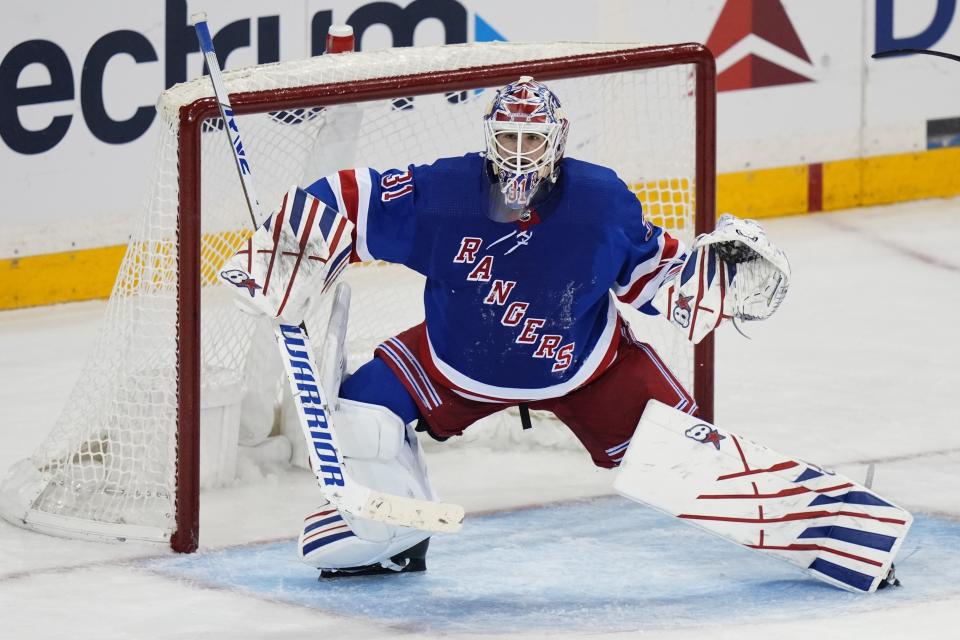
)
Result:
{"points": [[296, 350], [902, 52], [331, 372]]}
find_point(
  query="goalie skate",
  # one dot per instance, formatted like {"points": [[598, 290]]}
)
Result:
{"points": [[412, 560]]}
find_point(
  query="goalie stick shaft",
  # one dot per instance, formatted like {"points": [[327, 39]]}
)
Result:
{"points": [[891, 53], [311, 399], [199, 21]]}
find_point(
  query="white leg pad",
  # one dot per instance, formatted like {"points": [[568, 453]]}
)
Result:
{"points": [[839, 531], [368, 431], [331, 540], [392, 462]]}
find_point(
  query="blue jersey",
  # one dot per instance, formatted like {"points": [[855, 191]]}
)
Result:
{"points": [[514, 310]]}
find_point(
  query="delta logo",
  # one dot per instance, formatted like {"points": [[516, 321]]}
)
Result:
{"points": [[756, 45]]}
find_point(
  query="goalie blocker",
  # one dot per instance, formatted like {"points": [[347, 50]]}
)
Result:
{"points": [[837, 530], [296, 253]]}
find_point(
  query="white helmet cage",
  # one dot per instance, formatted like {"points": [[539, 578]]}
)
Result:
{"points": [[525, 133]]}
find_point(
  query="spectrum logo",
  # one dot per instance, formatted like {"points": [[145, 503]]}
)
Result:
{"points": [[756, 46]]}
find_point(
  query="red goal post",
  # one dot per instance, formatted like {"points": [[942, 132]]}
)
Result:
{"points": [[403, 99]]}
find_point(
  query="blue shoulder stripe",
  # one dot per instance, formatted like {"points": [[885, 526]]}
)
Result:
{"points": [[321, 189]]}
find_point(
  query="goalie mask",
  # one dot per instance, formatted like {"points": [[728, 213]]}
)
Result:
{"points": [[525, 133]]}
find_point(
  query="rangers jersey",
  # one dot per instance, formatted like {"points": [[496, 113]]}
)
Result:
{"points": [[515, 311]]}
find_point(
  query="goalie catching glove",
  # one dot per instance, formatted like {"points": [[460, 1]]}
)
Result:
{"points": [[296, 253], [732, 272]]}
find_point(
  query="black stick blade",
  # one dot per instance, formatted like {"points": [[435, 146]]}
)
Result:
{"points": [[903, 52]]}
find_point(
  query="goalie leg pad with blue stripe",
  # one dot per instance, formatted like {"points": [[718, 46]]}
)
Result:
{"points": [[380, 452], [837, 530]]}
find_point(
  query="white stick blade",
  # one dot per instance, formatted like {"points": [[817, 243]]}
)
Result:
{"points": [[440, 517]]}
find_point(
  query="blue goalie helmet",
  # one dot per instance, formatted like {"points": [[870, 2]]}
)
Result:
{"points": [[525, 131]]}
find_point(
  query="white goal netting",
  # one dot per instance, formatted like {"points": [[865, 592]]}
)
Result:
{"points": [[109, 467]]}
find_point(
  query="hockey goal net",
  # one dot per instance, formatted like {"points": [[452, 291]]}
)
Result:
{"points": [[123, 461]]}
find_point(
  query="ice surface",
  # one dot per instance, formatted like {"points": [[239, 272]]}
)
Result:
{"points": [[605, 564], [859, 365]]}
